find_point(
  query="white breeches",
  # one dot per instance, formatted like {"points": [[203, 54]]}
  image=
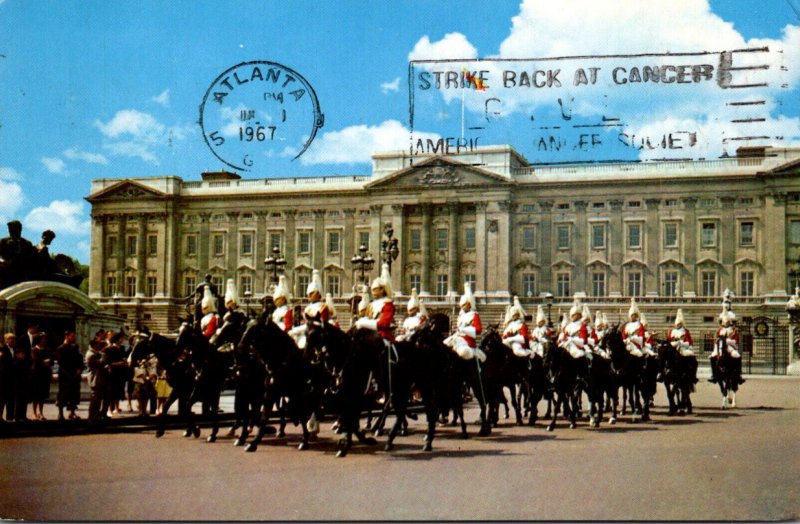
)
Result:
{"points": [[732, 351], [537, 348], [517, 347], [463, 349]]}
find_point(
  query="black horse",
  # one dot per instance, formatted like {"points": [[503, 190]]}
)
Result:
{"points": [[567, 378], [729, 374], [679, 375], [290, 377], [600, 385], [493, 377], [627, 371], [536, 385]]}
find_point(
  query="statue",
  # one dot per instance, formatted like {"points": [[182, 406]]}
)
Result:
{"points": [[20, 261]]}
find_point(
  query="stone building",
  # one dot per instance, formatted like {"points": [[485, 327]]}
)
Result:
{"points": [[672, 233]]}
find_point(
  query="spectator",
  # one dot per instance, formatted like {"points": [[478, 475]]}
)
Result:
{"points": [[163, 389], [144, 377], [70, 366], [118, 367], [98, 378], [6, 380], [21, 379], [41, 375]]}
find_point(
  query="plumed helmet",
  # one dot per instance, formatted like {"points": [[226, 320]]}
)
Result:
{"points": [[605, 320], [230, 292], [540, 314], [413, 301], [598, 320], [727, 316], [507, 315], [330, 304], [643, 320], [315, 284], [208, 303], [576, 308], [634, 309], [564, 321], [384, 281], [282, 289], [467, 296], [362, 305], [586, 314], [517, 308], [679, 317]]}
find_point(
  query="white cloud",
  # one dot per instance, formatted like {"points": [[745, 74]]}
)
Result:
{"points": [[452, 46], [10, 174], [62, 216], [54, 165], [137, 134], [394, 86], [92, 158], [162, 99], [11, 200], [551, 29], [357, 144]]}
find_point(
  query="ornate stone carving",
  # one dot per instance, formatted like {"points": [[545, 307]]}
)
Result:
{"points": [[439, 176], [689, 202], [616, 205], [546, 205], [580, 205], [652, 203]]}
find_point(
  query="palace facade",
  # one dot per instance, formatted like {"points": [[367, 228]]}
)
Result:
{"points": [[674, 234]]}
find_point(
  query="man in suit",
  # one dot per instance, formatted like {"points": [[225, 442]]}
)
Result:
{"points": [[6, 380], [22, 375]]}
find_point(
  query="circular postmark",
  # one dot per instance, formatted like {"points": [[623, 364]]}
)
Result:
{"points": [[258, 110]]}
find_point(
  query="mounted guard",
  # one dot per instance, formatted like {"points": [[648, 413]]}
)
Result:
{"points": [[210, 320], [729, 336], [380, 312], [417, 316], [515, 331], [282, 315], [574, 335], [633, 334], [468, 328], [541, 334]]}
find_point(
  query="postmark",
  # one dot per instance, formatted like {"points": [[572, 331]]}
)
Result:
{"points": [[259, 111], [651, 106]]}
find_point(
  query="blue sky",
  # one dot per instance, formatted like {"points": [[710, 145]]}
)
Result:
{"points": [[112, 89]]}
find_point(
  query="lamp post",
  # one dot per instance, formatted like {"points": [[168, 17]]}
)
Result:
{"points": [[362, 262], [248, 295], [389, 249], [274, 264], [549, 301]]}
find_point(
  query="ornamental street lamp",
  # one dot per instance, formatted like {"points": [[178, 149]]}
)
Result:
{"points": [[362, 262], [389, 249], [274, 264], [549, 301]]}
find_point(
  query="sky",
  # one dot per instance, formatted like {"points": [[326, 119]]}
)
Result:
{"points": [[97, 89]]}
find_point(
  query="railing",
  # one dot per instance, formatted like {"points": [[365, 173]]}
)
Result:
{"points": [[698, 167], [279, 182]]}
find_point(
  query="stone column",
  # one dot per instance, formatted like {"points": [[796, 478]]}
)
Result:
{"points": [[141, 255], [774, 236], [427, 248], [398, 224], [726, 242], [262, 249], [123, 237], [690, 244], [580, 245], [375, 237], [170, 253], [546, 247], [453, 258], [204, 243], [318, 256], [97, 258], [481, 247], [616, 246], [652, 242], [232, 260], [349, 248], [498, 244], [290, 236]]}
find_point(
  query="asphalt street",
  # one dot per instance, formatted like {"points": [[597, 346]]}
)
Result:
{"points": [[734, 464]]}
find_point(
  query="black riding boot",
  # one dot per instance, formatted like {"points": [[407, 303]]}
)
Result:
{"points": [[714, 373]]}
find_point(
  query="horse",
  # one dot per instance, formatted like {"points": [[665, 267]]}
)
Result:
{"points": [[492, 378], [290, 377], [729, 374], [599, 386], [567, 378], [635, 375], [679, 375], [537, 386]]}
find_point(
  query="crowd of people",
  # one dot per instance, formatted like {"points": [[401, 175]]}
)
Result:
{"points": [[26, 376]]}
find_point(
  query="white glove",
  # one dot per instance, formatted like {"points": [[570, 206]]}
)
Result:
{"points": [[636, 339], [367, 323], [468, 331], [298, 330]]}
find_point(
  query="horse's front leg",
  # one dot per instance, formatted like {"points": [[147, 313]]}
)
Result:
{"points": [[515, 404], [161, 426], [557, 400]]}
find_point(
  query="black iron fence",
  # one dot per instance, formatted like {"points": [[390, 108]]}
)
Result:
{"points": [[763, 343]]}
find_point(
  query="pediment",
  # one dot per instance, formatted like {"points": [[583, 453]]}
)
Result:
{"points": [[439, 172], [671, 262], [787, 168], [125, 190]]}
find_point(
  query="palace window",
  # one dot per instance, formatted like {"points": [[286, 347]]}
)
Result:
{"points": [[245, 285], [469, 278], [333, 285], [746, 283], [130, 244], [363, 239], [528, 238], [792, 281], [634, 283], [218, 244], [130, 286], [528, 284], [562, 233], [598, 236], [708, 283], [563, 206], [598, 205], [528, 208], [709, 234], [562, 285], [746, 234], [152, 245], [670, 283], [111, 243], [191, 245], [441, 285], [189, 283], [748, 201], [275, 240], [111, 286], [333, 213], [304, 243], [634, 236], [635, 203], [302, 285], [469, 238], [598, 284], [794, 232], [415, 282], [415, 239], [441, 239], [247, 244], [671, 202], [670, 234], [152, 286], [333, 242], [216, 281]]}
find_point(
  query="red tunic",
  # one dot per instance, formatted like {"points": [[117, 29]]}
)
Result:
{"points": [[211, 327], [386, 320]]}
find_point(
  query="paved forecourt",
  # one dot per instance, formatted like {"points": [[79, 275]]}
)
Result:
{"points": [[737, 464]]}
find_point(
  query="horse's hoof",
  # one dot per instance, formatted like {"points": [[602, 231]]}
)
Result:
{"points": [[464, 435], [341, 453], [671, 413], [281, 434], [238, 442], [550, 428], [250, 448], [612, 420], [485, 432], [572, 425], [369, 441], [187, 433], [196, 432], [427, 446], [211, 439], [231, 433], [404, 432], [159, 433], [302, 446], [388, 447]]}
